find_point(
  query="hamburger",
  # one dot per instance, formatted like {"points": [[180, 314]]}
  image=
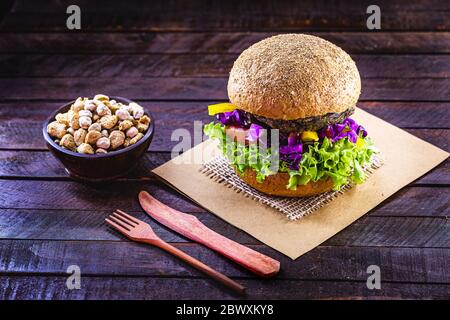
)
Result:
{"points": [[304, 88]]}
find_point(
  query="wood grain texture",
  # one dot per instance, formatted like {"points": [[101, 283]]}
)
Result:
{"points": [[404, 114], [420, 265], [76, 195], [28, 136], [423, 89], [226, 15], [42, 165], [420, 213], [67, 195], [175, 64], [220, 42], [21, 122], [197, 65], [54, 287]]}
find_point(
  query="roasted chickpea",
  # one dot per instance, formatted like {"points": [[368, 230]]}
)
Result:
{"points": [[137, 110], [85, 113], [95, 127], [85, 122], [124, 125], [117, 139], [103, 110], [101, 97], [89, 105], [56, 129], [103, 143], [108, 121], [143, 124], [74, 120], [126, 143], [85, 148], [92, 137], [122, 114], [99, 125], [62, 118], [132, 132], [68, 142], [79, 136], [136, 138], [77, 105]]}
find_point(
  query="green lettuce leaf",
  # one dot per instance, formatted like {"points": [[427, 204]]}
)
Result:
{"points": [[341, 161]]}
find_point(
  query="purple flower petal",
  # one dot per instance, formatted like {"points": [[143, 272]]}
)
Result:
{"points": [[352, 136], [361, 131], [347, 129], [234, 118], [254, 132], [292, 152], [339, 127]]}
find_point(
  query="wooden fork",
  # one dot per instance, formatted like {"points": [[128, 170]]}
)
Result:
{"points": [[139, 231]]}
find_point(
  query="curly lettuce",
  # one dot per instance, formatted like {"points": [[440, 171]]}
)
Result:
{"points": [[342, 161]]}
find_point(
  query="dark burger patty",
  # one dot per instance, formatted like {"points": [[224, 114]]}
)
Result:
{"points": [[305, 124]]}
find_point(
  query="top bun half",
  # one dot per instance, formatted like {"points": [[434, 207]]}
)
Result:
{"points": [[294, 76]]}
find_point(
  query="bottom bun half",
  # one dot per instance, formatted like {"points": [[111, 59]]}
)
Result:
{"points": [[276, 185]]}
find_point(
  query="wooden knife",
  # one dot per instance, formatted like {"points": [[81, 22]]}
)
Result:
{"points": [[190, 227]]}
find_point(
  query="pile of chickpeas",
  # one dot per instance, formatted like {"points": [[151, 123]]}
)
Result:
{"points": [[99, 125]]}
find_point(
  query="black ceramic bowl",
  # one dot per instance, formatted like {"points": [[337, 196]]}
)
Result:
{"points": [[99, 167]]}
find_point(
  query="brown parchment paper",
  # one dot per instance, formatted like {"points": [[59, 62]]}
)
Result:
{"points": [[405, 157]]}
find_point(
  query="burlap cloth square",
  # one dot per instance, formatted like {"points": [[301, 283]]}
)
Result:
{"points": [[220, 171]]}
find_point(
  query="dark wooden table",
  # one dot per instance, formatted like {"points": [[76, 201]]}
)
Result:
{"points": [[174, 57]]}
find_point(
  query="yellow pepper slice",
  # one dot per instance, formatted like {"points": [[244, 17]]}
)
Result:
{"points": [[220, 107], [359, 143], [310, 136]]}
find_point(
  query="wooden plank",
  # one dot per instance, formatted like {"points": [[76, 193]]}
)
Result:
{"points": [[284, 7], [229, 16], [398, 223], [65, 195], [201, 42], [423, 89], [438, 175], [133, 88], [21, 122], [69, 224], [54, 288], [197, 65], [405, 114], [73, 195], [129, 259], [437, 137], [373, 230], [42, 165], [28, 135], [417, 115]]}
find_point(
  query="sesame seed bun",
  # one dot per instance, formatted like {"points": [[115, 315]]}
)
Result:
{"points": [[276, 185], [294, 76]]}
